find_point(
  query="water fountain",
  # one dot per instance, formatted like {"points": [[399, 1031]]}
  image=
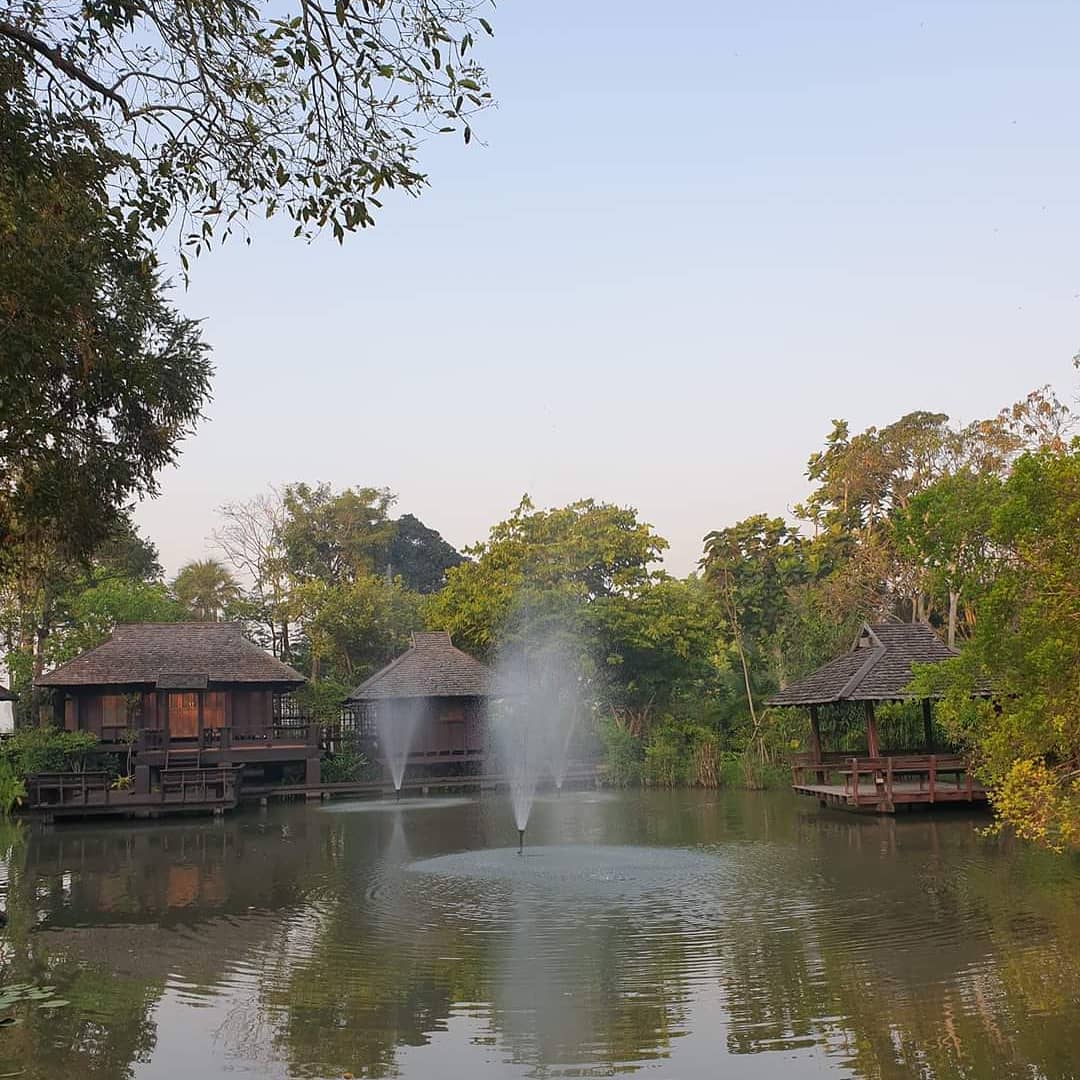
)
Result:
{"points": [[397, 722], [531, 722]]}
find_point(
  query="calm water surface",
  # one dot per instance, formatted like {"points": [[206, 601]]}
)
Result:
{"points": [[685, 935]]}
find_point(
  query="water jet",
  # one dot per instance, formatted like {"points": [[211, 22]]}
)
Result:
{"points": [[521, 841]]}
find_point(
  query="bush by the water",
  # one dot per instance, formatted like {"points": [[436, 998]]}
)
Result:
{"points": [[347, 765], [35, 750], [676, 754]]}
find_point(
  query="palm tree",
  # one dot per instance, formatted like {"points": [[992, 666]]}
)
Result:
{"points": [[206, 588]]}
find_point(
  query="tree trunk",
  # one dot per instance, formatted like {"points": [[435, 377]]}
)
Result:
{"points": [[954, 605]]}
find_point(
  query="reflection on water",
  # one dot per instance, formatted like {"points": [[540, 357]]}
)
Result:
{"points": [[734, 935]]}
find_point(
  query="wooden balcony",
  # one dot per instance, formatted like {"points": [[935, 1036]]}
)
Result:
{"points": [[882, 784]]}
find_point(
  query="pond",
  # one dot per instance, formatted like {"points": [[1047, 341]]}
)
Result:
{"points": [[683, 935]]}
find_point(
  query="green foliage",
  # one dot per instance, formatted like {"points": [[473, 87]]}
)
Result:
{"points": [[37, 749], [541, 568], [91, 613], [12, 788], [420, 556], [344, 766], [623, 754], [1026, 648], [205, 589], [216, 111], [100, 378], [355, 626], [333, 537], [321, 699]]}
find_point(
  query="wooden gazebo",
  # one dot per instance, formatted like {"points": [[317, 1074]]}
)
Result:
{"points": [[878, 668]]}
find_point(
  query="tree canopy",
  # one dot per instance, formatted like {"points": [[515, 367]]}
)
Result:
{"points": [[100, 378], [219, 109]]}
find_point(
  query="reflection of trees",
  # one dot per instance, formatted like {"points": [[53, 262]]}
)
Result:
{"points": [[956, 973], [388, 966], [612, 996], [902, 947]]}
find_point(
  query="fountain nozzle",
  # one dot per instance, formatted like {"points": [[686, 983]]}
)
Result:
{"points": [[521, 841], [397, 794]]}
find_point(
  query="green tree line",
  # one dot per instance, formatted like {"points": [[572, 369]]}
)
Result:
{"points": [[972, 528]]}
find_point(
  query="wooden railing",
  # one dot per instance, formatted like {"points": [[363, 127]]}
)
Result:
{"points": [[926, 777], [209, 787]]}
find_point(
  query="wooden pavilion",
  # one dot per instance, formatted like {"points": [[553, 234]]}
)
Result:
{"points": [[878, 668], [441, 692], [198, 710]]}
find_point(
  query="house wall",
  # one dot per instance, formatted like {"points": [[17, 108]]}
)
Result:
{"points": [[442, 725], [106, 711]]}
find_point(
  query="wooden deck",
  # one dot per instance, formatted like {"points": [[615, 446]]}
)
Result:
{"points": [[577, 776], [90, 794], [882, 785]]}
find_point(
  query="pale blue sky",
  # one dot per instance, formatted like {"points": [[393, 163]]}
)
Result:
{"points": [[695, 234]]}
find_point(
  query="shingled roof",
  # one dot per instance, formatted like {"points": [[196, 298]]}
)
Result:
{"points": [[184, 655], [878, 667], [432, 667]]}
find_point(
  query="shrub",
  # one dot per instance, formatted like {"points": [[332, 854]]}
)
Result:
{"points": [[34, 750], [666, 759], [12, 789], [622, 754], [345, 765]]}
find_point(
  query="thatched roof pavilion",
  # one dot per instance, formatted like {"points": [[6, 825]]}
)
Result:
{"points": [[878, 667], [435, 692]]}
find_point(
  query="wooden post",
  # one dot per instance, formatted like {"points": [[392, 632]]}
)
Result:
{"points": [[855, 779], [888, 781], [928, 727], [933, 775], [871, 731], [815, 741], [199, 712]]}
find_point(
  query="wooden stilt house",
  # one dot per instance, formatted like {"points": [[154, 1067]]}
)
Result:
{"points": [[878, 668], [196, 708], [437, 690]]}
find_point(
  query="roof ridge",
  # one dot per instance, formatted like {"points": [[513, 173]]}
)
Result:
{"points": [[853, 683]]}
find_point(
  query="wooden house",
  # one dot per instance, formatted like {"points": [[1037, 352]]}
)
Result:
{"points": [[436, 690], [187, 698], [878, 667]]}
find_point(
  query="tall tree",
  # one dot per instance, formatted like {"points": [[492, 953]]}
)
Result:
{"points": [[100, 379], [540, 566], [206, 588], [420, 555], [1025, 647], [217, 109], [336, 536], [251, 537]]}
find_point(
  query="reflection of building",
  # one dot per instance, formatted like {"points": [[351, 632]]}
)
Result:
{"points": [[436, 689], [196, 708], [877, 668]]}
